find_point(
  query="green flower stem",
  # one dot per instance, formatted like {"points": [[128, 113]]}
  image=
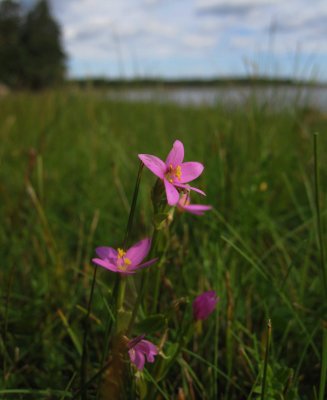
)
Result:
{"points": [[167, 232], [137, 302], [133, 206], [120, 284], [144, 282], [121, 294]]}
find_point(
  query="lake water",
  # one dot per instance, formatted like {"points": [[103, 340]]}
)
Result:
{"points": [[233, 96]]}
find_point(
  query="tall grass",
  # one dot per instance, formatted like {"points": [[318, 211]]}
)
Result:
{"points": [[68, 162]]}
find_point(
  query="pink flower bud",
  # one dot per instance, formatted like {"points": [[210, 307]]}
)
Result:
{"points": [[204, 305]]}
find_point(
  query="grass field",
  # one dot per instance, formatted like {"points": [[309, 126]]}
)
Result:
{"points": [[68, 165]]}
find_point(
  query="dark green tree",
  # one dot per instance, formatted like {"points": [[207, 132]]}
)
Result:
{"points": [[10, 45], [44, 58]]}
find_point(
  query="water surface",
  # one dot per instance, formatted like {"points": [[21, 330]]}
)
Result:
{"points": [[272, 96]]}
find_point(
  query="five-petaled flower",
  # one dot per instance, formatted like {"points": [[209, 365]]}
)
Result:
{"points": [[124, 262], [174, 172], [140, 350], [184, 204], [204, 305]]}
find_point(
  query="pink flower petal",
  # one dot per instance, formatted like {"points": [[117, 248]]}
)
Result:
{"points": [[188, 187], [148, 348], [143, 265], [137, 358], [190, 171], [139, 350], [105, 264], [171, 192], [139, 251], [197, 209], [155, 165], [106, 252], [176, 154]]}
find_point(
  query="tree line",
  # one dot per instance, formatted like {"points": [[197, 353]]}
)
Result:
{"points": [[31, 52]]}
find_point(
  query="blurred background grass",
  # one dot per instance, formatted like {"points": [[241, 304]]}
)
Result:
{"points": [[68, 162]]}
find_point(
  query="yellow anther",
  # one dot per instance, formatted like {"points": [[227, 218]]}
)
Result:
{"points": [[178, 172], [127, 261], [173, 173], [121, 253]]}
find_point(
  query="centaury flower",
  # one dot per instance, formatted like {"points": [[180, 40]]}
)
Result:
{"points": [[184, 204], [204, 305], [124, 262], [174, 172], [140, 350]]}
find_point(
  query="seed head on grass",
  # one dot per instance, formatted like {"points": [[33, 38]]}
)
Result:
{"points": [[174, 173], [140, 350], [124, 262], [204, 305]]}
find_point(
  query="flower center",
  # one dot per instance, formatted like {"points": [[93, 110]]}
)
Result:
{"points": [[173, 173], [122, 262]]}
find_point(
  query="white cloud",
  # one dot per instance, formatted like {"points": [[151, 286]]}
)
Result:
{"points": [[167, 33], [198, 41]]}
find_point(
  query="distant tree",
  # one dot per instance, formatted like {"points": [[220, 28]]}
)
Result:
{"points": [[10, 45], [44, 58]]}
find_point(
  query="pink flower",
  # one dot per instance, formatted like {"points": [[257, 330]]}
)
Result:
{"points": [[139, 350], [124, 262], [174, 172], [184, 204], [204, 305]]}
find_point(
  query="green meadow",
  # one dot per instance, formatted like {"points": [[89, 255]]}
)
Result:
{"points": [[68, 165]]}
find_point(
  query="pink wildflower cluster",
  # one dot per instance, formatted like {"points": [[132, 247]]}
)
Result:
{"points": [[175, 175]]}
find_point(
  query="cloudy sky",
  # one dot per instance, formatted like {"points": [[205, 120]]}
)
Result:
{"points": [[187, 38]]}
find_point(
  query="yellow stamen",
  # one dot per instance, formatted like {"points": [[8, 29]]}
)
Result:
{"points": [[178, 172], [126, 263], [173, 173], [121, 253]]}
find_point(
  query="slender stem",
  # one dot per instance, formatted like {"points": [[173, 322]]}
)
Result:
{"points": [[86, 331], [264, 378], [121, 294], [318, 215], [133, 206], [122, 280], [143, 284], [137, 301], [159, 271], [157, 282]]}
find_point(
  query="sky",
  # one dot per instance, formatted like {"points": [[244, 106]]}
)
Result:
{"points": [[194, 38]]}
